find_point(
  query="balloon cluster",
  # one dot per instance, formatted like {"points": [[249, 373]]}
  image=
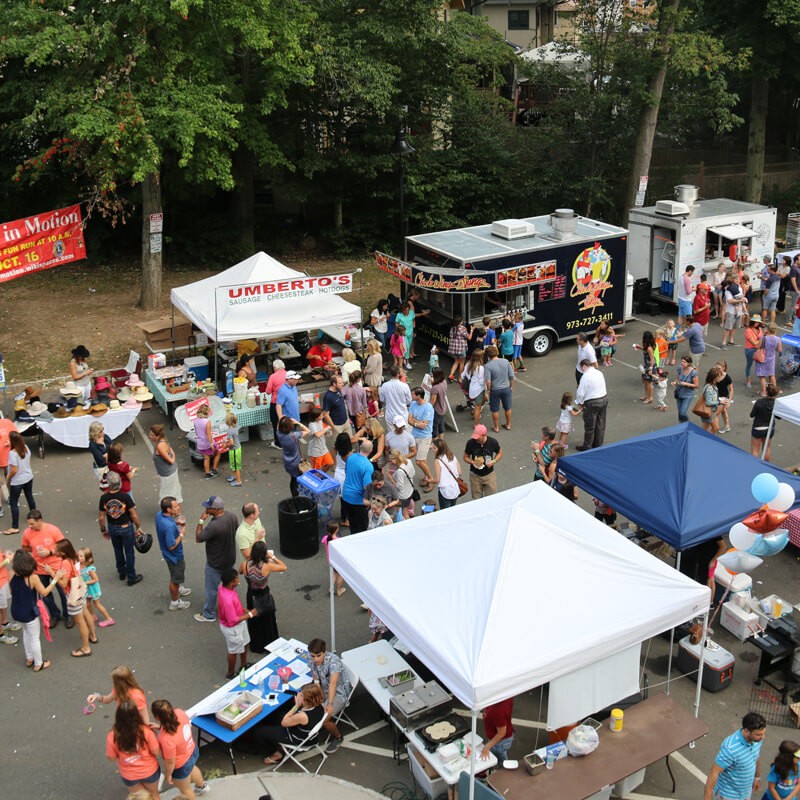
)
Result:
{"points": [[760, 534]]}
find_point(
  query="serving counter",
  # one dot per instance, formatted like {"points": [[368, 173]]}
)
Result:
{"points": [[652, 730]]}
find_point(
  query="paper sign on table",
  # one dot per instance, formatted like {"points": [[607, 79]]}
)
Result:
{"points": [[298, 666], [299, 682]]}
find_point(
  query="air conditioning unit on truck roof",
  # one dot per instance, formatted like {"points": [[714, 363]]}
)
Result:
{"points": [[671, 208], [512, 229]]}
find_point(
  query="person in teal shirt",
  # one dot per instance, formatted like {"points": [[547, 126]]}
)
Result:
{"points": [[506, 340]]}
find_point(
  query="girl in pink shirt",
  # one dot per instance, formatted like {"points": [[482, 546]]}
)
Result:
{"points": [[233, 621]]}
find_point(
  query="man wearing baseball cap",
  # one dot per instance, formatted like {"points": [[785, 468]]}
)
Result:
{"points": [[288, 402], [400, 438], [482, 454], [219, 536]]}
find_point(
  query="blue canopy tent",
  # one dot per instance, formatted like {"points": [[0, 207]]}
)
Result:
{"points": [[681, 483]]}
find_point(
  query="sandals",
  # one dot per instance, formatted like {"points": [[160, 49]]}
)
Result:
{"points": [[43, 665], [271, 762], [94, 641], [80, 653], [10, 531]]}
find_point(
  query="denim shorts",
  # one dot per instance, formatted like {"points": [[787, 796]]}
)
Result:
{"points": [[185, 771], [151, 779], [684, 308], [498, 397]]}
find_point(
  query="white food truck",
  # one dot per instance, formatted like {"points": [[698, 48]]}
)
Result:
{"points": [[666, 238]]}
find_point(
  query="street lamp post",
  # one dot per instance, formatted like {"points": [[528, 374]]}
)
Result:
{"points": [[402, 148]]}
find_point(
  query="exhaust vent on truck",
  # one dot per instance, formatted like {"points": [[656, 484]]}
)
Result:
{"points": [[672, 208], [512, 229]]}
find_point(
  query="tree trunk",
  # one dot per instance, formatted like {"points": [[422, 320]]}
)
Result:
{"points": [[244, 200], [648, 119], [150, 298], [756, 139]]}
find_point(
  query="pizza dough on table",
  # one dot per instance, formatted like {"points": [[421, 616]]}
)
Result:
{"points": [[440, 730]]}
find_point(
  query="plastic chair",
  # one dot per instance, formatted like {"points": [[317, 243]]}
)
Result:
{"points": [[309, 744], [342, 716]]}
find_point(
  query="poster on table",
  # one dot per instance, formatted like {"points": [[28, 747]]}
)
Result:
{"points": [[39, 242]]}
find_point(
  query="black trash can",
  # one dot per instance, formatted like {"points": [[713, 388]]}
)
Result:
{"points": [[297, 527]]}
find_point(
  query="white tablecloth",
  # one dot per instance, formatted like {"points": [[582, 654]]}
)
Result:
{"points": [[74, 431]]}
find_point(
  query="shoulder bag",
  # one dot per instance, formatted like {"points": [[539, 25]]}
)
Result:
{"points": [[701, 408], [462, 484], [760, 354]]}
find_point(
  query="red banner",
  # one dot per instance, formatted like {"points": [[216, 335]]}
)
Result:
{"points": [[41, 242]]}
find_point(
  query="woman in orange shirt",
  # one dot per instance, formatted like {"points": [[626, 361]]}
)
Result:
{"points": [[134, 747], [178, 750], [124, 687]]}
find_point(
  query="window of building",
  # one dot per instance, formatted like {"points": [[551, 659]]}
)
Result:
{"points": [[519, 20]]}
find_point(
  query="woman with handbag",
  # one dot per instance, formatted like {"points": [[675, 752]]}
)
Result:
{"points": [[99, 442], [289, 440], [19, 478], [752, 344], [685, 386], [766, 364], [401, 474], [355, 398], [708, 403], [649, 362], [761, 414], [73, 584], [447, 474], [256, 570]]}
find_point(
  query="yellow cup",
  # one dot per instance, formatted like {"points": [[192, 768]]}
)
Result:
{"points": [[615, 722]]}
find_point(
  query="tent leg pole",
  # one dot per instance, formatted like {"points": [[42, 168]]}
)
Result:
{"points": [[214, 346], [672, 632], [474, 728], [769, 433], [331, 596], [700, 666]]}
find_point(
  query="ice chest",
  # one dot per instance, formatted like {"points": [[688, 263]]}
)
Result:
{"points": [[739, 622], [198, 365], [242, 708], [717, 665]]}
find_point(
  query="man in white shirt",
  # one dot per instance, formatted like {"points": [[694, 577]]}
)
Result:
{"points": [[685, 294], [585, 351], [734, 308], [395, 395], [592, 399]]}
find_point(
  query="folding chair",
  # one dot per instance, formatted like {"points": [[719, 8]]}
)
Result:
{"points": [[342, 716], [309, 744]]}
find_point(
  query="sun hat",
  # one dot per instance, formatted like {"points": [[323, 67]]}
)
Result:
{"points": [[79, 411], [142, 393], [61, 413], [756, 318], [134, 380], [131, 403], [24, 416], [80, 352], [98, 409], [480, 430], [70, 389], [213, 502], [30, 394], [101, 384], [123, 394], [36, 408], [114, 405], [399, 421]]}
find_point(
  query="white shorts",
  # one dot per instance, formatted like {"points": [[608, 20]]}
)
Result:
{"points": [[564, 427], [236, 638], [423, 448], [5, 596]]}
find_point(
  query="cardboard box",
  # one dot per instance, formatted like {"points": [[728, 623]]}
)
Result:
{"points": [[158, 332], [737, 621]]}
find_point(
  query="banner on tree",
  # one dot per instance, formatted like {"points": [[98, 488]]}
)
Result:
{"points": [[40, 242]]}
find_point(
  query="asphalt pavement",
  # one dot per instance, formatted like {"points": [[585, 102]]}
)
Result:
{"points": [[53, 750]]}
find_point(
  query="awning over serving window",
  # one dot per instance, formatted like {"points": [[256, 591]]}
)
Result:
{"points": [[733, 232]]}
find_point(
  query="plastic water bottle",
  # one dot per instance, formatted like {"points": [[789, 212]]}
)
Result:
{"points": [[229, 382], [242, 680], [550, 759]]}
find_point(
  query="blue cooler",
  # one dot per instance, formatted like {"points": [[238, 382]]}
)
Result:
{"points": [[321, 488], [198, 365]]}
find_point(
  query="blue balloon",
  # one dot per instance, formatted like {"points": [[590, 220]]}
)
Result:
{"points": [[770, 545], [765, 487]]}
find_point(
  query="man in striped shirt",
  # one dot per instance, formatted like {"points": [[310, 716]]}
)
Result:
{"points": [[736, 771]]}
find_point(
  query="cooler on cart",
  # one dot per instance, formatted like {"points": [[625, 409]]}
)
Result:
{"points": [[718, 664], [218, 426], [321, 488]]}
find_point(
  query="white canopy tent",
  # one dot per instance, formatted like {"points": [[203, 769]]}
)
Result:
{"points": [[254, 316], [787, 408], [560, 53], [454, 587]]}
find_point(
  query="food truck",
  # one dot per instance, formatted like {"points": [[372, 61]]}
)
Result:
{"points": [[666, 238], [565, 273]]}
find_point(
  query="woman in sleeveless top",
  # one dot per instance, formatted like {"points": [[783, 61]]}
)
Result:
{"points": [[263, 627], [166, 464], [296, 724]]}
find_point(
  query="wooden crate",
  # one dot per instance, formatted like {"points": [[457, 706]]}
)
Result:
{"points": [[248, 705]]}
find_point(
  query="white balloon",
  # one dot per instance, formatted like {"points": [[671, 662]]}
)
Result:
{"points": [[742, 538], [737, 561], [785, 498]]}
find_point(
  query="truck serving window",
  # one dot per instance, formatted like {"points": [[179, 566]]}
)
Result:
{"points": [[440, 303]]}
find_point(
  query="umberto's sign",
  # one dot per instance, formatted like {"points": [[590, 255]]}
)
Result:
{"points": [[287, 289]]}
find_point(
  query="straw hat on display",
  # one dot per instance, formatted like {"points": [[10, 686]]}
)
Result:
{"points": [[134, 380], [123, 394], [114, 405], [98, 409], [37, 408], [61, 413], [70, 389], [31, 394], [102, 384], [79, 411], [142, 393], [131, 403]]}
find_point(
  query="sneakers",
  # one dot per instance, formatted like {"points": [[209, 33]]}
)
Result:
{"points": [[135, 579], [214, 473], [7, 638], [235, 485], [275, 446], [183, 591], [334, 745], [201, 618], [724, 430], [179, 605], [12, 626], [210, 475], [204, 789]]}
